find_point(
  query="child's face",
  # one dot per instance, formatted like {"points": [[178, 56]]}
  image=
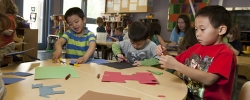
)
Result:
{"points": [[206, 34], [139, 44], [181, 24], [76, 23], [99, 24], [118, 33], [230, 36]]}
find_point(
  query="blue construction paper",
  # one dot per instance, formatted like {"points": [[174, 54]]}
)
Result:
{"points": [[97, 61], [16, 53], [18, 73], [8, 81]]}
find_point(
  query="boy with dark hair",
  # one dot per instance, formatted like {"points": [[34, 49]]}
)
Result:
{"points": [[137, 49], [118, 34], [80, 41], [211, 76], [99, 22]]}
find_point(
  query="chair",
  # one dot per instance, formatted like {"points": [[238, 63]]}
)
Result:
{"points": [[245, 91], [235, 84]]}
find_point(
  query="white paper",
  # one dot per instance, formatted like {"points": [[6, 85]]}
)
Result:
{"points": [[110, 4], [132, 7], [142, 2], [124, 3], [133, 1], [116, 1], [116, 7]]}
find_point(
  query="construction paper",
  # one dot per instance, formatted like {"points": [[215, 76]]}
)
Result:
{"points": [[49, 72], [141, 77], [72, 62], [97, 61], [155, 72], [47, 90], [18, 73], [91, 95], [8, 81], [20, 52], [119, 65]]}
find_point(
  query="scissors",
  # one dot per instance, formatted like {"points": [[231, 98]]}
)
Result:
{"points": [[63, 62]]}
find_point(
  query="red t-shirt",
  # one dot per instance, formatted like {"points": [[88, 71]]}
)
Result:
{"points": [[216, 59], [4, 40]]}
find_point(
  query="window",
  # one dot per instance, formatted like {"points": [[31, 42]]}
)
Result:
{"points": [[71, 3]]}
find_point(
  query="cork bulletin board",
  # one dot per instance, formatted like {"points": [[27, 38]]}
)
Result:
{"points": [[177, 7]]}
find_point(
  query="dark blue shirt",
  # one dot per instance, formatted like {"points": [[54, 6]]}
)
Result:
{"points": [[120, 38]]}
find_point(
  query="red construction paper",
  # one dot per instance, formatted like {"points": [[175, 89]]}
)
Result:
{"points": [[141, 77]]}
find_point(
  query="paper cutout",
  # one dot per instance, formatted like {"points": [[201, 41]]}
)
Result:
{"points": [[54, 72], [72, 62], [16, 53], [47, 90], [141, 77], [97, 61], [91, 95], [18, 73], [8, 81], [119, 65]]}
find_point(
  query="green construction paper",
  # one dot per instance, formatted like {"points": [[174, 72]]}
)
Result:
{"points": [[50, 72], [155, 72]]}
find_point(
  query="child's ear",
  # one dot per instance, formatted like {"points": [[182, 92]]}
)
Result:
{"points": [[222, 29], [84, 20]]}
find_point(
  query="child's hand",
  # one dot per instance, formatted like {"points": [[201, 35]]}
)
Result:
{"points": [[137, 63], [120, 58], [56, 55], [80, 60], [159, 49], [172, 44], [168, 62]]}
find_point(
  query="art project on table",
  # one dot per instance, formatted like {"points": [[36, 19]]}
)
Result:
{"points": [[119, 65], [91, 95], [49, 72], [47, 90], [8, 81], [24, 74], [141, 77]]}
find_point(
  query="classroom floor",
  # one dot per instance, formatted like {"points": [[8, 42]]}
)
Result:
{"points": [[43, 55]]}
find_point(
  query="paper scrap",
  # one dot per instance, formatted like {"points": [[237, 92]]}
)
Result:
{"points": [[124, 3], [133, 1], [132, 6], [8, 81], [18, 73], [142, 2], [116, 7]]}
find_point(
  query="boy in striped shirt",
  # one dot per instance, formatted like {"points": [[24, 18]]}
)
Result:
{"points": [[80, 41]]}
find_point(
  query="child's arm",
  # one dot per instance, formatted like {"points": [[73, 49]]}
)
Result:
{"points": [[58, 49], [204, 77], [116, 39], [116, 49], [161, 41], [236, 52], [90, 51]]}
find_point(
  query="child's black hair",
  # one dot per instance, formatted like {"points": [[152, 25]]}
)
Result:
{"points": [[154, 29], [74, 11], [137, 31], [217, 16]]}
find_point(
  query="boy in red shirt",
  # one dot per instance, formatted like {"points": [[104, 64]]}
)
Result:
{"points": [[207, 68]]}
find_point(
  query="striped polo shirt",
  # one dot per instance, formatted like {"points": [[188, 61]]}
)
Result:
{"points": [[77, 46]]}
